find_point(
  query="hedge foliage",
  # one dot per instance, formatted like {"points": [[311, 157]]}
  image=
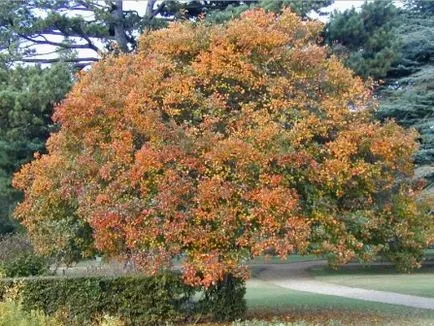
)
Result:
{"points": [[225, 300], [135, 300]]}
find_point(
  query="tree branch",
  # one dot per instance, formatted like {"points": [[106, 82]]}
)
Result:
{"points": [[54, 60], [149, 14], [62, 45], [45, 53], [90, 6]]}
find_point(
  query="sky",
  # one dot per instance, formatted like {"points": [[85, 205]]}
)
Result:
{"points": [[340, 5]]}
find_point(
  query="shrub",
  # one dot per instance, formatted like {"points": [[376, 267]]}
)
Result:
{"points": [[12, 313], [135, 300], [12, 246], [24, 265], [17, 258]]}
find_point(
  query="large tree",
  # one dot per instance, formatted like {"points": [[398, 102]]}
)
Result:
{"points": [[27, 97], [67, 27], [218, 142]]}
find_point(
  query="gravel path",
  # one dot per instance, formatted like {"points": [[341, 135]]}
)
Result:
{"points": [[295, 276]]}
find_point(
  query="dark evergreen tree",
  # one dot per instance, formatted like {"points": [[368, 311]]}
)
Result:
{"points": [[396, 47], [365, 38], [421, 7], [27, 97], [235, 8], [408, 93]]}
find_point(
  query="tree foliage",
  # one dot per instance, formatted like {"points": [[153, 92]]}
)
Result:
{"points": [[421, 7], [408, 92], [27, 97], [235, 8], [216, 143], [366, 37]]}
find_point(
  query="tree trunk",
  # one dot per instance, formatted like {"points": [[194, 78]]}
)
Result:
{"points": [[119, 28]]}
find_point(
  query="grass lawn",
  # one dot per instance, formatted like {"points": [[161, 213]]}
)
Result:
{"points": [[382, 278], [265, 299], [429, 255], [278, 260]]}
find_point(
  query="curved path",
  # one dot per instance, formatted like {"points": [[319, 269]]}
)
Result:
{"points": [[295, 276]]}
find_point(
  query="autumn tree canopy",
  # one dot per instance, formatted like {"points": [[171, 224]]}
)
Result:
{"points": [[216, 143]]}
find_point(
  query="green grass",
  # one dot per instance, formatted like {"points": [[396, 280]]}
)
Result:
{"points": [[263, 295], [429, 255], [278, 260], [382, 278]]}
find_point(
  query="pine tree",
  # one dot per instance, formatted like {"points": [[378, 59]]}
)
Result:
{"points": [[365, 38], [408, 93], [27, 97]]}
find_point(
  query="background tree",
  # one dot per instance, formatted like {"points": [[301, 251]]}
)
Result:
{"points": [[366, 37], [66, 26], [420, 7], [396, 46], [27, 97], [75, 25], [218, 142], [408, 92], [234, 9]]}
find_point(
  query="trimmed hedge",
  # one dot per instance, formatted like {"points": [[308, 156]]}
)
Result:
{"points": [[136, 300]]}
